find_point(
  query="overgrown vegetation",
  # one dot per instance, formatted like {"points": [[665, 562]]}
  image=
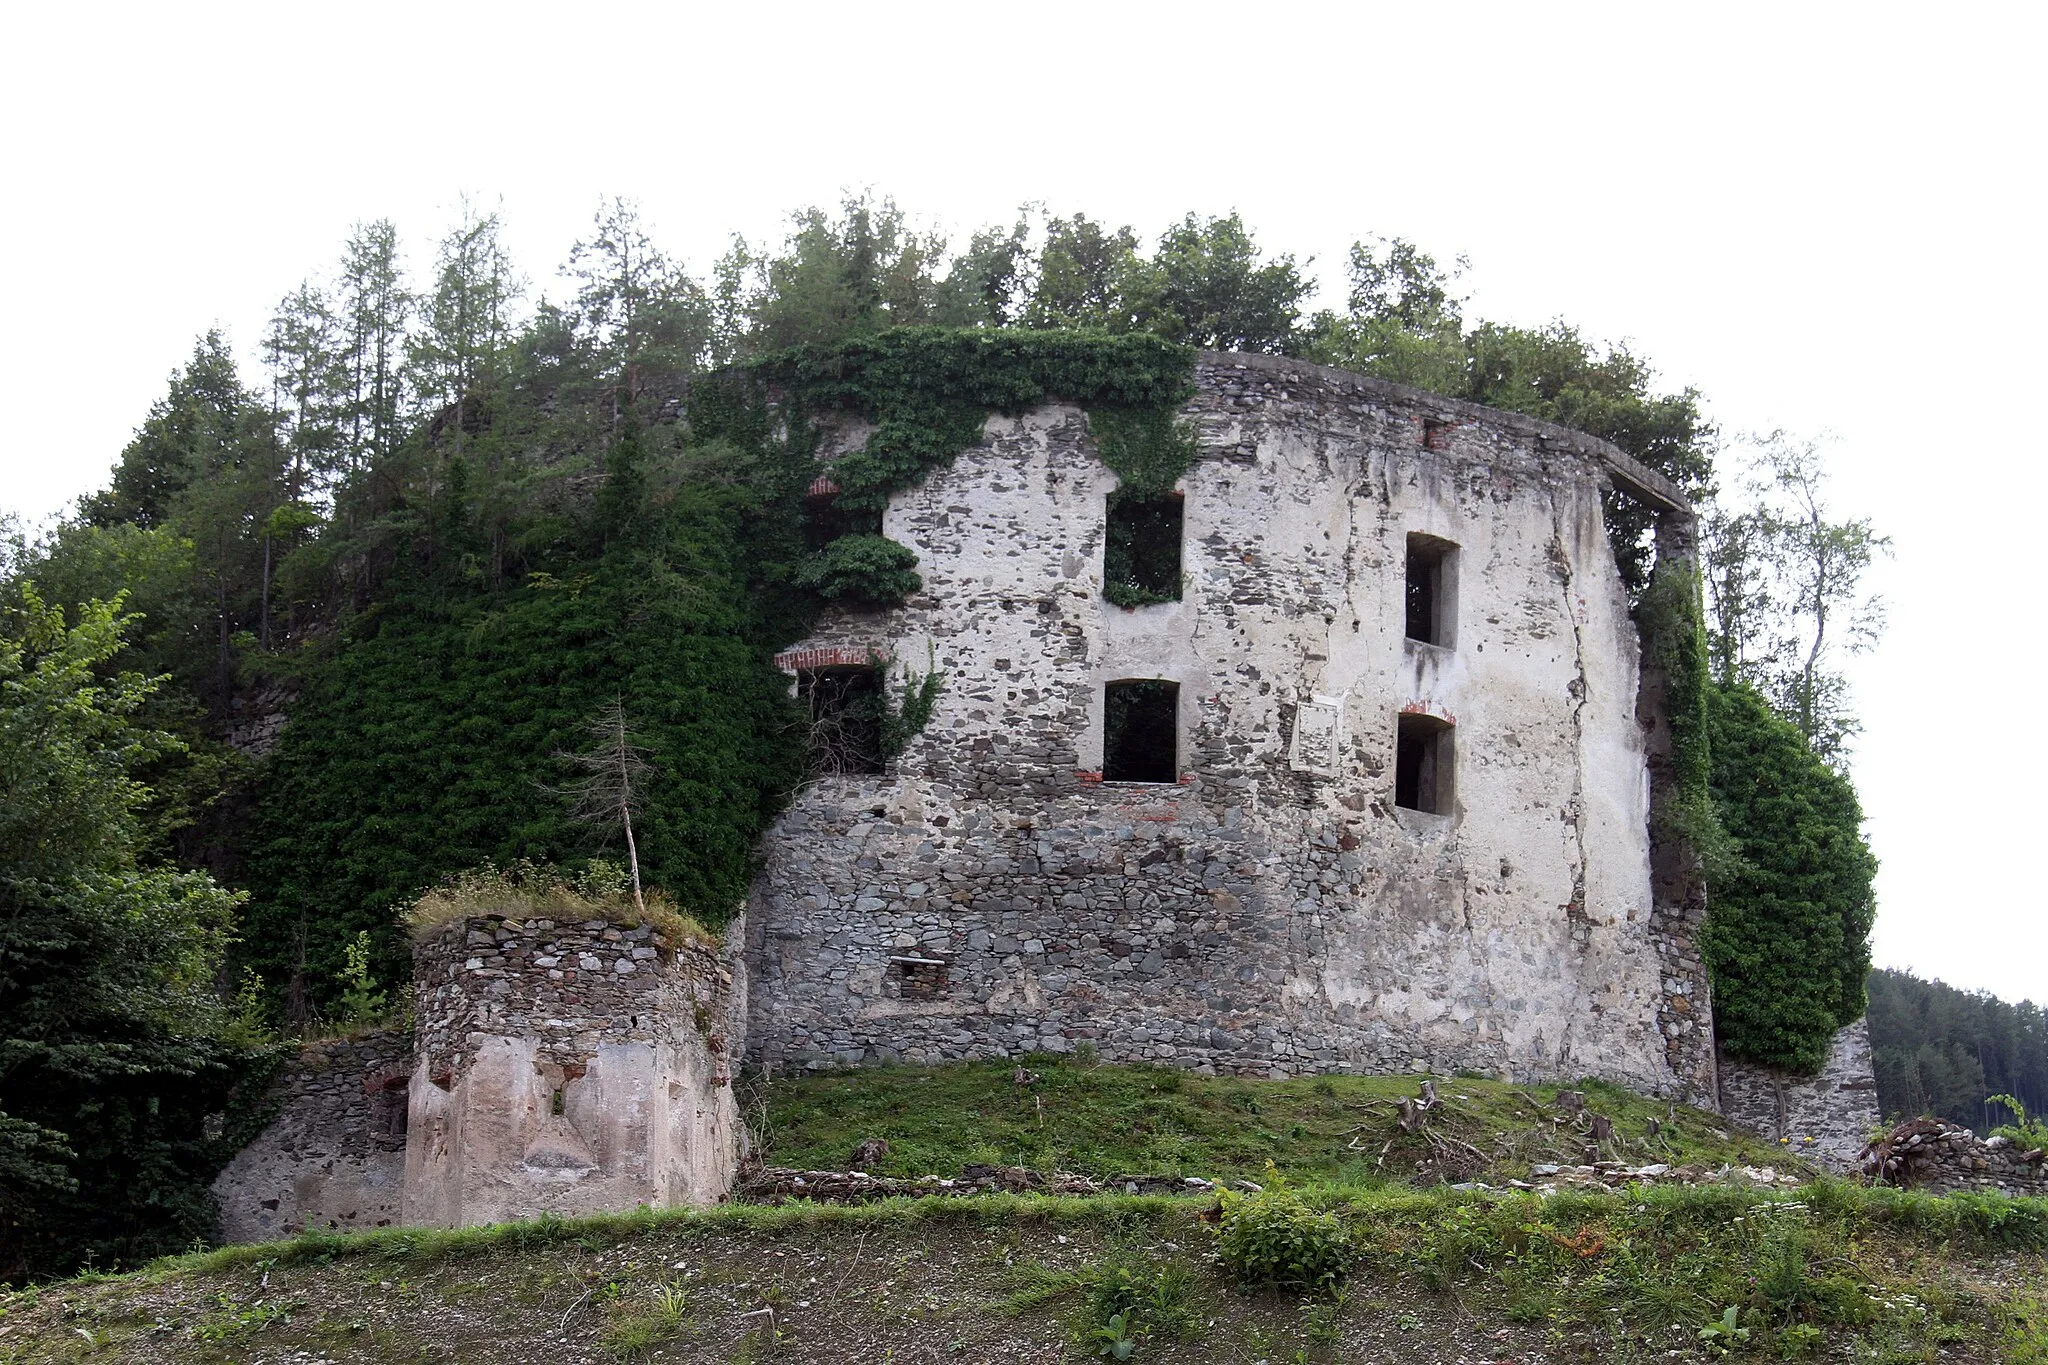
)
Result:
{"points": [[113, 1044], [1830, 1271], [443, 530], [597, 891], [1787, 935], [1111, 1121]]}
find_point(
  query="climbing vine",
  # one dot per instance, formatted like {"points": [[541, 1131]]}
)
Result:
{"points": [[1674, 637], [929, 390]]}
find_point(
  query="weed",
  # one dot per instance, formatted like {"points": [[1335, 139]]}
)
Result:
{"points": [[631, 1330], [1273, 1237], [1722, 1336], [1112, 1339]]}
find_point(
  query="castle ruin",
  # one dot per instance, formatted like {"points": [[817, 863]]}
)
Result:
{"points": [[1370, 791], [1366, 777]]}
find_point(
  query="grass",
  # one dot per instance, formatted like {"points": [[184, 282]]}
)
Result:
{"points": [[530, 891], [1105, 1121], [1832, 1269]]}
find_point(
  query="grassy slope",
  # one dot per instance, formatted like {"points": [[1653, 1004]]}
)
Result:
{"points": [[1835, 1272], [1125, 1120]]}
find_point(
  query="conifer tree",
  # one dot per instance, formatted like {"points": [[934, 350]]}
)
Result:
{"points": [[375, 308]]}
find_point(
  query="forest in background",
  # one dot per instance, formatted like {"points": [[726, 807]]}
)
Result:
{"points": [[445, 522]]}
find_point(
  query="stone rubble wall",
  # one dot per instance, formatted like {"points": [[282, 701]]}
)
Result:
{"points": [[1827, 1118], [569, 1068], [1943, 1157], [1272, 912], [334, 1157]]}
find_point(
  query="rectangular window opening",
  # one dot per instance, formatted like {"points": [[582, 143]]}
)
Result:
{"points": [[1141, 731], [845, 709], [1424, 760], [825, 520], [1432, 595], [921, 978], [1141, 549]]}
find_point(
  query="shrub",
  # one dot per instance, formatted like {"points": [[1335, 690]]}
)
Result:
{"points": [[528, 890], [1273, 1237]]}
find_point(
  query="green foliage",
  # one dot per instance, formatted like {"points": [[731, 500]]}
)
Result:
{"points": [[928, 390], [1108, 1121], [1147, 448], [362, 1001], [109, 1027], [1674, 641], [863, 571], [1943, 1051], [1787, 936], [2027, 1130], [424, 745], [905, 718], [1272, 1236]]}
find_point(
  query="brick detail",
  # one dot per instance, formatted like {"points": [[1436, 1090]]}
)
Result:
{"points": [[826, 656]]}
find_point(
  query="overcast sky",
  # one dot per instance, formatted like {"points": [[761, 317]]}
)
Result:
{"points": [[1824, 218]]}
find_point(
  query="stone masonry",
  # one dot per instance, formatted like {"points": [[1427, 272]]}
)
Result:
{"points": [[566, 1068], [1273, 911], [334, 1157], [1827, 1118], [569, 1068]]}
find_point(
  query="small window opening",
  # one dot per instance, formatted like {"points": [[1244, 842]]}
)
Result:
{"points": [[1432, 595], [555, 1105], [1423, 759], [826, 521], [1436, 435], [1141, 550], [921, 977], [388, 1114], [845, 709], [1141, 731]]}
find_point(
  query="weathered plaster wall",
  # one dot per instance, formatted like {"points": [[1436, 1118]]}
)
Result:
{"points": [[1271, 912], [334, 1157], [569, 1068], [1827, 1117]]}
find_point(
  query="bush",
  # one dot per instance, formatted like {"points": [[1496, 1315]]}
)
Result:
{"points": [[870, 571], [1273, 1237]]}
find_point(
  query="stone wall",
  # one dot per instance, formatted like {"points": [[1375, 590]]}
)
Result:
{"points": [[334, 1157], [569, 1068], [1827, 1118], [1272, 911], [1936, 1155]]}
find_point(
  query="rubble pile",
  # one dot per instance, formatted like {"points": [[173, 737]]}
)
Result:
{"points": [[1939, 1156]]}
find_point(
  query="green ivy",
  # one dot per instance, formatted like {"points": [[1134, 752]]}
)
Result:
{"points": [[930, 390], [1787, 936], [861, 570], [1674, 634]]}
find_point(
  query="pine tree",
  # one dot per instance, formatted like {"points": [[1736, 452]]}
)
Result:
{"points": [[375, 308]]}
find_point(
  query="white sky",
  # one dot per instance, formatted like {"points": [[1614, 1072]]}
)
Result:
{"points": [[1824, 217]]}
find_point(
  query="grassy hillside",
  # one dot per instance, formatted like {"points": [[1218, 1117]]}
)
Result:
{"points": [[1368, 1265], [1442, 1276], [1101, 1121]]}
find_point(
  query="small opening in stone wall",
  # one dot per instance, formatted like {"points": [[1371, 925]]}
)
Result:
{"points": [[1141, 731], [1432, 589], [389, 1116], [845, 708], [1424, 764], [1141, 549], [555, 1104], [921, 977], [1436, 434], [825, 520]]}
